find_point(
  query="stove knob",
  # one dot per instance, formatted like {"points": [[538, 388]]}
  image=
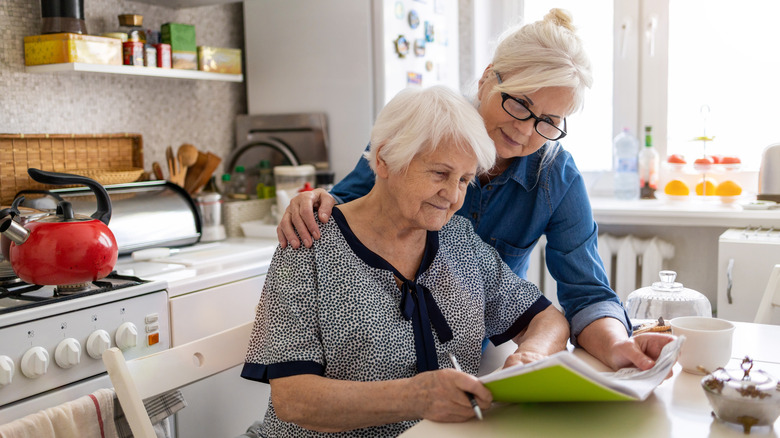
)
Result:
{"points": [[68, 353], [98, 342], [126, 336], [6, 370], [35, 362]]}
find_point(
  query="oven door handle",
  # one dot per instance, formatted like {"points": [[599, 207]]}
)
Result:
{"points": [[729, 280]]}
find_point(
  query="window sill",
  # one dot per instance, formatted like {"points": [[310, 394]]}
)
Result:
{"points": [[680, 213]]}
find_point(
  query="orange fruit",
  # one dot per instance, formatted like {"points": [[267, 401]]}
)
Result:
{"points": [[706, 187], [676, 187], [728, 188]]}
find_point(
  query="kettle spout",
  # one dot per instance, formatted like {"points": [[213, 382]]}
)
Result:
{"points": [[12, 230]]}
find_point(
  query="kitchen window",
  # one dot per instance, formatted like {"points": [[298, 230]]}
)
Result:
{"points": [[689, 68]]}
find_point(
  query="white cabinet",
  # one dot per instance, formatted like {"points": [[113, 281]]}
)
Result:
{"points": [[224, 404]]}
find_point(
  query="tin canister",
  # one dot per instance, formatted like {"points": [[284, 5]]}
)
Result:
{"points": [[133, 52]]}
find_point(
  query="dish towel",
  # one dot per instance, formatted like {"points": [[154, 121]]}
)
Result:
{"points": [[159, 408], [97, 415], [90, 416]]}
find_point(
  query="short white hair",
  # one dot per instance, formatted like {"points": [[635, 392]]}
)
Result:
{"points": [[418, 120]]}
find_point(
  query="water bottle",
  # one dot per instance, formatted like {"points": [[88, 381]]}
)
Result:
{"points": [[625, 155]]}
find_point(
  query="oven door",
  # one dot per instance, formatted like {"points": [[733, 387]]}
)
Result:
{"points": [[744, 267], [50, 399]]}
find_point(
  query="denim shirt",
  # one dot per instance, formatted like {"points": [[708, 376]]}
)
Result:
{"points": [[513, 210]]}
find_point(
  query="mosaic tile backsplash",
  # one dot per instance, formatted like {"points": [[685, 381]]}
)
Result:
{"points": [[166, 111]]}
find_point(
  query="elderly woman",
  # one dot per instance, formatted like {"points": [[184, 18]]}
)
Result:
{"points": [[354, 334], [538, 77]]}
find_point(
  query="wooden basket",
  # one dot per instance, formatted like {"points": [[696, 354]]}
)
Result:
{"points": [[106, 158]]}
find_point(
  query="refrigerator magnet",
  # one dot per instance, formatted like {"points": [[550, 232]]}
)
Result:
{"points": [[401, 46], [429, 33], [399, 9], [429, 65], [414, 19], [419, 47], [413, 78]]}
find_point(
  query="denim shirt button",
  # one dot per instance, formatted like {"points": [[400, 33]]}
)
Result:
{"points": [[474, 215], [489, 187]]}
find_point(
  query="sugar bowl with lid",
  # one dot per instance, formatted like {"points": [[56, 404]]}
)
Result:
{"points": [[743, 396]]}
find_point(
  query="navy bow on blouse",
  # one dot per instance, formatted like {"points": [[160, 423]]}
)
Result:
{"points": [[418, 305]]}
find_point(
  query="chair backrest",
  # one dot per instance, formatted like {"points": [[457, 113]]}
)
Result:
{"points": [[771, 297], [141, 378]]}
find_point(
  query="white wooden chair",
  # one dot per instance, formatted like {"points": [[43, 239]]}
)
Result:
{"points": [[138, 379], [770, 299]]}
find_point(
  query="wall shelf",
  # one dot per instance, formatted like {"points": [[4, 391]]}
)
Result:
{"points": [[134, 70]]}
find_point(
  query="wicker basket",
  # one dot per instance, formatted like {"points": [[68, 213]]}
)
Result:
{"points": [[234, 213], [106, 158], [108, 177]]}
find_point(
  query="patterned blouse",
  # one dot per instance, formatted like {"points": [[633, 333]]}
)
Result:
{"points": [[335, 310]]}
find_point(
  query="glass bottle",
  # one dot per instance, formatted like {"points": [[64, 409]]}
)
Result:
{"points": [[266, 188], [238, 184], [648, 167]]}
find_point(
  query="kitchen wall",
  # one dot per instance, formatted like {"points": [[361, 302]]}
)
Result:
{"points": [[165, 111]]}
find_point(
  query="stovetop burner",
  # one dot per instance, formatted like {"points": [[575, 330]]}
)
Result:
{"points": [[70, 289], [23, 295]]}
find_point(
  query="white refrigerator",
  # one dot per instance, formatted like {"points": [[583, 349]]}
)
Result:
{"points": [[345, 58]]}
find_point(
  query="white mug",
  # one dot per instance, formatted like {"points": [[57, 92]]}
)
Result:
{"points": [[707, 342]]}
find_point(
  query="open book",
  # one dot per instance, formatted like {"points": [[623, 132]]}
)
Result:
{"points": [[565, 377]]}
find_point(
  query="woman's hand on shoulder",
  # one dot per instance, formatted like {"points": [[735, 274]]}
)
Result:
{"points": [[299, 216], [442, 395]]}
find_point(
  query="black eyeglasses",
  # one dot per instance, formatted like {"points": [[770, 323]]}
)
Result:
{"points": [[518, 109]]}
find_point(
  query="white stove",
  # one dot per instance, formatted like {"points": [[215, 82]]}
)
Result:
{"points": [[52, 344], [746, 257]]}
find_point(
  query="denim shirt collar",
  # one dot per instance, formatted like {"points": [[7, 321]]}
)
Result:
{"points": [[523, 170]]}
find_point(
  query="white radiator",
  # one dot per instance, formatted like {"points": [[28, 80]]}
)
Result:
{"points": [[630, 263]]}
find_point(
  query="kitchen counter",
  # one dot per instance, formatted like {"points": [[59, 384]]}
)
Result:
{"points": [[694, 212]]}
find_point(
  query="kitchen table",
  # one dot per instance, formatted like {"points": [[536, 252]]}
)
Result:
{"points": [[677, 408]]}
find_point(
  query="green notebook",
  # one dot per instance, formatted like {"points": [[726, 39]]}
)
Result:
{"points": [[563, 377]]}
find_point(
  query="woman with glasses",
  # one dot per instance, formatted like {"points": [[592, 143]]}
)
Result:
{"points": [[537, 78]]}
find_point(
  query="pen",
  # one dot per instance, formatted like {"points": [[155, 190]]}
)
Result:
{"points": [[474, 404]]}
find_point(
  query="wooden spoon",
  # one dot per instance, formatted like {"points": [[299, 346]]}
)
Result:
{"points": [[187, 155], [174, 167]]}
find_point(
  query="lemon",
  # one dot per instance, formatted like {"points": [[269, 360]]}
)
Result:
{"points": [[676, 187], [706, 187], [728, 188]]}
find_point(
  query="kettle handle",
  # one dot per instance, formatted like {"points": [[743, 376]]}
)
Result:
{"points": [[103, 213]]}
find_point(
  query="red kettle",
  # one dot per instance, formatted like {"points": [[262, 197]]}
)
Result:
{"points": [[62, 248]]}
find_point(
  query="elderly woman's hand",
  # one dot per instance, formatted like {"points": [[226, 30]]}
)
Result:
{"points": [[299, 216], [523, 357], [442, 395]]}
